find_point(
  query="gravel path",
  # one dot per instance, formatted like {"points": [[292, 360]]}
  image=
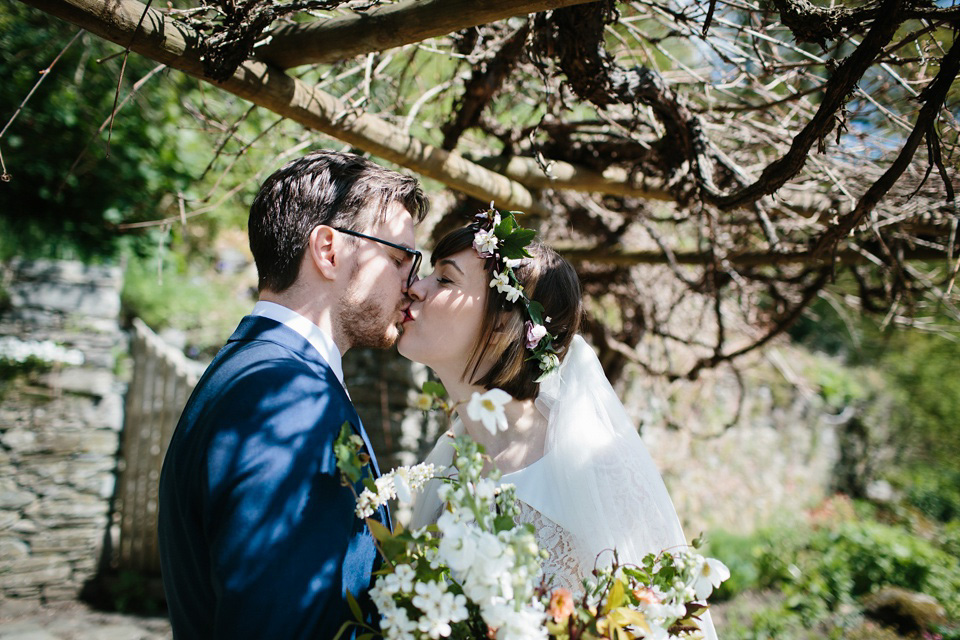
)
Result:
{"points": [[75, 621]]}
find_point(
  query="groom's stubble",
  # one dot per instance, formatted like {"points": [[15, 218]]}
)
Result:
{"points": [[364, 321]]}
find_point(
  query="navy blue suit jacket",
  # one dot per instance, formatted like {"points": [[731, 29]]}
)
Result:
{"points": [[258, 538]]}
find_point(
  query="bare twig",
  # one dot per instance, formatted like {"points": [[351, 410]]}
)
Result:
{"points": [[4, 176]]}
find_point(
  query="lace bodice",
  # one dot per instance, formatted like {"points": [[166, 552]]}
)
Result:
{"points": [[562, 567]]}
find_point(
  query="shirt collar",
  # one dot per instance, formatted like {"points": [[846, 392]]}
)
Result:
{"points": [[313, 334]]}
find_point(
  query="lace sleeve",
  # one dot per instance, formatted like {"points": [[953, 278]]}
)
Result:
{"points": [[562, 567]]}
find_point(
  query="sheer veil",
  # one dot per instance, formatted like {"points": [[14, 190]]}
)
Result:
{"points": [[610, 492], [601, 485]]}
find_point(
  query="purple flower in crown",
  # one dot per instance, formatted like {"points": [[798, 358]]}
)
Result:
{"points": [[535, 333]]}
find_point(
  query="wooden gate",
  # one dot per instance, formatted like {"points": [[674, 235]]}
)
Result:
{"points": [[160, 386]]}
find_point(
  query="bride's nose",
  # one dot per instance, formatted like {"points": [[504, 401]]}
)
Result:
{"points": [[416, 290]]}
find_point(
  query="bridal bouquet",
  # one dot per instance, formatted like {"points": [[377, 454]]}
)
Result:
{"points": [[476, 573]]}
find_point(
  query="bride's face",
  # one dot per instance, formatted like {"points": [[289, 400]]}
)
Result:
{"points": [[446, 313]]}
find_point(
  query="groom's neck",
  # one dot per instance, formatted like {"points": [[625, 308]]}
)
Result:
{"points": [[315, 308]]}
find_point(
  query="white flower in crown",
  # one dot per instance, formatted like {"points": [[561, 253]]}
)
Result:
{"points": [[501, 281], [549, 361], [488, 409], [513, 293], [486, 243]]}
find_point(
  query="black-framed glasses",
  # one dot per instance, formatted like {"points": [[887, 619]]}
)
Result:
{"points": [[417, 256]]}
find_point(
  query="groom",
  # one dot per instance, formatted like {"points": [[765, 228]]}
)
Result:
{"points": [[258, 538]]}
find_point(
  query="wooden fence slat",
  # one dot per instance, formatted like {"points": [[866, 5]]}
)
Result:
{"points": [[162, 381]]}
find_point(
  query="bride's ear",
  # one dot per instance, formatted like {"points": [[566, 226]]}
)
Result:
{"points": [[500, 322]]}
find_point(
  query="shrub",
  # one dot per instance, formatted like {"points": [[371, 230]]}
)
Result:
{"points": [[935, 491], [841, 565]]}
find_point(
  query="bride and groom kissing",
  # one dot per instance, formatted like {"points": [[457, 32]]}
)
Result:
{"points": [[258, 535]]}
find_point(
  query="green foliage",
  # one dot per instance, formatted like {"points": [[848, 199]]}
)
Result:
{"points": [[4, 299], [351, 460], [821, 574], [11, 369], [132, 592], [171, 292], [934, 491], [859, 557], [433, 388], [69, 189], [740, 554], [918, 379]]}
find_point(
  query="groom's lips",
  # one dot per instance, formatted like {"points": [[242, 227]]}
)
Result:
{"points": [[407, 316]]}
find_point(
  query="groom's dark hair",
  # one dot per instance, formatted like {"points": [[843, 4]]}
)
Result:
{"points": [[323, 187], [547, 278]]}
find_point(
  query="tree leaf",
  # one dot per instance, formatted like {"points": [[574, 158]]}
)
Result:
{"points": [[615, 597], [354, 606], [433, 388], [345, 451], [503, 523], [514, 246], [379, 532], [536, 312]]}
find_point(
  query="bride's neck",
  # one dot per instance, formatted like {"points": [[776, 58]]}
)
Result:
{"points": [[517, 447]]}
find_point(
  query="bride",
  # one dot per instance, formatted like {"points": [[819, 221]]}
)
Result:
{"points": [[485, 320]]}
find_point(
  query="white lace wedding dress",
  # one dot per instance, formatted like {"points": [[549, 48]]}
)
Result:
{"points": [[595, 489]]}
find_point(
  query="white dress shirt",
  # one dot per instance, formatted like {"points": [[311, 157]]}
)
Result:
{"points": [[313, 334]]}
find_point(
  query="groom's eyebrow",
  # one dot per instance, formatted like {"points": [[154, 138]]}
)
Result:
{"points": [[452, 263]]}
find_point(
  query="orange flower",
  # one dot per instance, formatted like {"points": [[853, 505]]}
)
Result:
{"points": [[646, 595], [561, 604]]}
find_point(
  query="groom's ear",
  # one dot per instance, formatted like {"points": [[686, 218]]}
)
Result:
{"points": [[322, 246]]}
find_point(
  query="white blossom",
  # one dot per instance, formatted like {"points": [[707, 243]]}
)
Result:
{"points": [[485, 242], [711, 573], [549, 362], [513, 293], [400, 483], [17, 350], [423, 402], [501, 281], [396, 624], [458, 548], [488, 408]]}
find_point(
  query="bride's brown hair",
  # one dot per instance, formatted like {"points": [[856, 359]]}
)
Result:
{"points": [[546, 278]]}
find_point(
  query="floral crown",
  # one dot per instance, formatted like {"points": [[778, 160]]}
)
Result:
{"points": [[501, 238]]}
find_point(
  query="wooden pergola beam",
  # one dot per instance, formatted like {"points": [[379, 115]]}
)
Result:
{"points": [[162, 39], [627, 257], [563, 175], [388, 26]]}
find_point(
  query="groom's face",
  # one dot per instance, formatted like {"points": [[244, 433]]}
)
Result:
{"points": [[372, 306]]}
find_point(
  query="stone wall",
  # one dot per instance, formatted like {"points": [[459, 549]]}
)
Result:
{"points": [[59, 428], [738, 457]]}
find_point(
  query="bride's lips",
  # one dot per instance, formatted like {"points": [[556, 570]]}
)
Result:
{"points": [[407, 316]]}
